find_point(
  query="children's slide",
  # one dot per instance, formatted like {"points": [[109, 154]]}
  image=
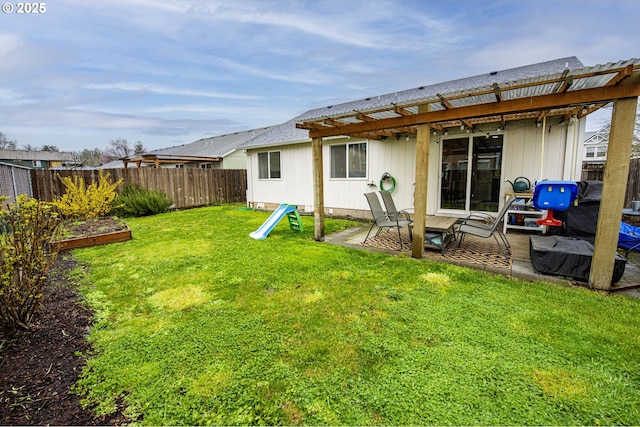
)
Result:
{"points": [[264, 230]]}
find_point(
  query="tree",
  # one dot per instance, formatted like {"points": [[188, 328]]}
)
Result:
{"points": [[139, 149], [6, 143], [49, 148], [118, 149], [89, 157]]}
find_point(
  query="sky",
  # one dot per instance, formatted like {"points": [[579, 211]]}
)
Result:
{"points": [[82, 73]]}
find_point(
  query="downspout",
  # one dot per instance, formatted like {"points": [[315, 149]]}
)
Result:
{"points": [[249, 194], [544, 131], [574, 152]]}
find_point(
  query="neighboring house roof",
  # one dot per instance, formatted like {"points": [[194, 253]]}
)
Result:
{"points": [[588, 135], [601, 136], [214, 148], [287, 132], [72, 167], [115, 164], [284, 133], [49, 156]]}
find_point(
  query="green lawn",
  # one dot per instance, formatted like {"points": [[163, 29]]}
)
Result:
{"points": [[196, 323]]}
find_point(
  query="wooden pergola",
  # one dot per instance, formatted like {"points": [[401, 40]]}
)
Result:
{"points": [[568, 94], [158, 159]]}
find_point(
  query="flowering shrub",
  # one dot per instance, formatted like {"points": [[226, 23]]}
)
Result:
{"points": [[82, 202], [26, 254]]}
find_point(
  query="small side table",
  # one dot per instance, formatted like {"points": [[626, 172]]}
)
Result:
{"points": [[439, 231]]}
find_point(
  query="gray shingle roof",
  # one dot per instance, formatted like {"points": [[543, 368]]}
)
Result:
{"points": [[55, 156], [288, 133], [285, 133], [215, 146]]}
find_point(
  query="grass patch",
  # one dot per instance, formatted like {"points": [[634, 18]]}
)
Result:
{"points": [[196, 323]]}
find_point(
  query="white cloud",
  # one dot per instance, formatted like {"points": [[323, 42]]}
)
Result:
{"points": [[19, 57], [13, 98], [165, 90]]}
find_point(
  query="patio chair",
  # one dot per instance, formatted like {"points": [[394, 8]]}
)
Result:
{"points": [[381, 220], [484, 225], [392, 211]]}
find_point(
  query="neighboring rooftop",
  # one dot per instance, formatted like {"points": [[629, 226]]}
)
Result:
{"points": [[51, 156], [215, 146]]}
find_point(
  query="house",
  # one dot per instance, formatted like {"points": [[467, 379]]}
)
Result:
{"points": [[469, 165], [36, 159], [216, 152], [596, 145], [451, 147]]}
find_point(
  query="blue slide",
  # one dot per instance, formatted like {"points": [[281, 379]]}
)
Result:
{"points": [[264, 230]]}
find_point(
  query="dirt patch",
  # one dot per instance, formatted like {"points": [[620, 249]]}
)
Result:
{"points": [[39, 367], [93, 227]]}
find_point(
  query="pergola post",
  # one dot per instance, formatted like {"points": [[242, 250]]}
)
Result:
{"points": [[421, 186], [318, 190], [614, 186]]}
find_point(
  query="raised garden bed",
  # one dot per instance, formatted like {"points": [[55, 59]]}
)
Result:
{"points": [[94, 232]]}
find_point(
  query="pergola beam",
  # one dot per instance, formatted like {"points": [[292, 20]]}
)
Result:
{"points": [[421, 186], [318, 189], [529, 104], [614, 186], [618, 74], [497, 91], [447, 105]]}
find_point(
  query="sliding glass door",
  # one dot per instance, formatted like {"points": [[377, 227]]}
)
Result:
{"points": [[471, 173]]}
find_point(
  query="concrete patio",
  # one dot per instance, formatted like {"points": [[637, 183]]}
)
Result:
{"points": [[486, 258]]}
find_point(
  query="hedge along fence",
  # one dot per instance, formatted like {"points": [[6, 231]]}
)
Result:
{"points": [[187, 187]]}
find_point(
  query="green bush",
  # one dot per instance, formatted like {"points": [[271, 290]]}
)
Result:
{"points": [[137, 201], [26, 255]]}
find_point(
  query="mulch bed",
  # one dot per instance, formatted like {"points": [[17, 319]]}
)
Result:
{"points": [[38, 368]]}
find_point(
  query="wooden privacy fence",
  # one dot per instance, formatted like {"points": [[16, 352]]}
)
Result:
{"points": [[187, 187], [596, 172]]}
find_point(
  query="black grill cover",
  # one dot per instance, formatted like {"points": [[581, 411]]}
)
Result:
{"points": [[566, 256], [581, 219]]}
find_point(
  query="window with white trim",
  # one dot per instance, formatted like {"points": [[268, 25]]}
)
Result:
{"points": [[591, 152], [601, 151], [349, 160], [269, 165]]}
